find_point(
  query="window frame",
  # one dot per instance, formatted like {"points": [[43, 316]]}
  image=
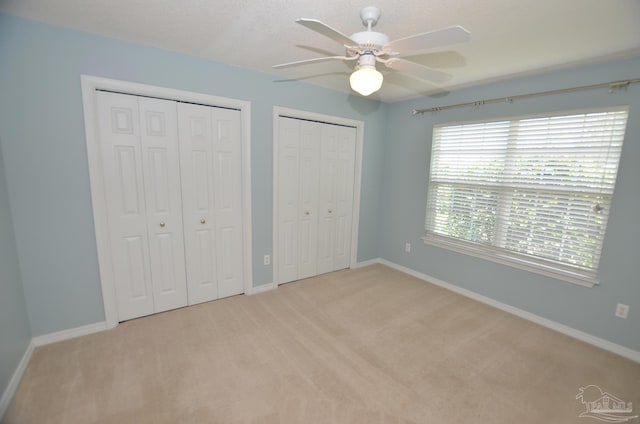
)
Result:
{"points": [[549, 268]]}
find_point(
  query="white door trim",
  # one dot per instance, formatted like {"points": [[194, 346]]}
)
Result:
{"points": [[89, 86], [312, 116]]}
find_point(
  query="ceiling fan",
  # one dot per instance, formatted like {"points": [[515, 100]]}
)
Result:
{"points": [[368, 47]]}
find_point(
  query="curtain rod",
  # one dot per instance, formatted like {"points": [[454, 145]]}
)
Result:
{"points": [[615, 85]]}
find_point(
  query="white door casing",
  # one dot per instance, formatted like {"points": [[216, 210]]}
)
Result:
{"points": [[91, 86]]}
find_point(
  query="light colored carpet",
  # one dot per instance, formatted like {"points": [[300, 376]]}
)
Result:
{"points": [[371, 345]]}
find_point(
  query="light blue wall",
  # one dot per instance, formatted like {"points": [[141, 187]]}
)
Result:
{"points": [[43, 140], [405, 178], [15, 333]]}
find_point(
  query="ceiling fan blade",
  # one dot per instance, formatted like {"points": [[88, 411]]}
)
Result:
{"points": [[317, 59], [326, 30], [428, 40], [417, 70]]}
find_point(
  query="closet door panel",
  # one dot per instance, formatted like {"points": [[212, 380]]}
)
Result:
{"points": [[343, 205], [227, 201], [194, 124], [308, 175], [288, 193], [327, 199], [159, 141], [119, 134]]}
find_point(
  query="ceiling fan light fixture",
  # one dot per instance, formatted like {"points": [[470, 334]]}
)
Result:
{"points": [[366, 80]]}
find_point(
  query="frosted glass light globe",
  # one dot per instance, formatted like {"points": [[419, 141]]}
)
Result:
{"points": [[366, 80]]}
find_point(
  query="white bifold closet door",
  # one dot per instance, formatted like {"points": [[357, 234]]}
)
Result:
{"points": [[337, 168], [139, 148], [316, 165], [212, 200], [173, 190]]}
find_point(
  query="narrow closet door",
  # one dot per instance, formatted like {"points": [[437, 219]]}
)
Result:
{"points": [[161, 166], [194, 124], [343, 204], [227, 201], [327, 202], [210, 155], [337, 168], [310, 133], [118, 121], [288, 192]]}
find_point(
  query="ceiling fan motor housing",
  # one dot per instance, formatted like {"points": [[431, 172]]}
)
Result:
{"points": [[370, 40]]}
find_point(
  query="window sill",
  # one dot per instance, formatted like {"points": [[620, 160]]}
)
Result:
{"points": [[513, 260]]}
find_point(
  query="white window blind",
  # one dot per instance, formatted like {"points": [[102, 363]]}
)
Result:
{"points": [[533, 192]]}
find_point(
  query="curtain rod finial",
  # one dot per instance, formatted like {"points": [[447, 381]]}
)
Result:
{"points": [[619, 85]]}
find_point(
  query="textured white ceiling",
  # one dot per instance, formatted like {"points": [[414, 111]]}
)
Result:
{"points": [[508, 37]]}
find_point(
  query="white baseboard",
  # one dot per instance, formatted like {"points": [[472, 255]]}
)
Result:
{"points": [[71, 333], [41, 341], [272, 286], [15, 379], [366, 263], [623, 351], [262, 288]]}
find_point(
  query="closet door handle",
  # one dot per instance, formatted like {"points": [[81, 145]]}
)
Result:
{"points": [[162, 224], [306, 212], [202, 221], [330, 211]]}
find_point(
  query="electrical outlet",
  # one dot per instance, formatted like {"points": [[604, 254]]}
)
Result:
{"points": [[267, 259], [407, 247], [622, 311]]}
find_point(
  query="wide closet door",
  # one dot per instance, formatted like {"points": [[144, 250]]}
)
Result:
{"points": [[139, 148], [315, 179], [173, 189]]}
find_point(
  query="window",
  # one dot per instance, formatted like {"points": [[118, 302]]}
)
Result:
{"points": [[533, 192]]}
